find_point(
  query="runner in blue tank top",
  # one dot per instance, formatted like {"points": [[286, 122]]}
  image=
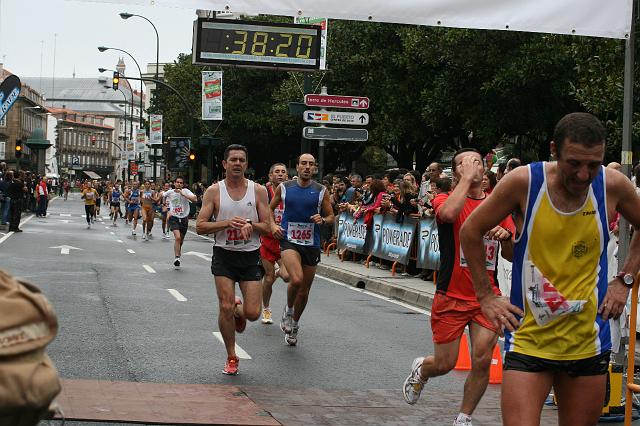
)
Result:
{"points": [[132, 197], [114, 202], [306, 206]]}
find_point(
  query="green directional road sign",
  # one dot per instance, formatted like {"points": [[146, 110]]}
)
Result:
{"points": [[336, 134]]}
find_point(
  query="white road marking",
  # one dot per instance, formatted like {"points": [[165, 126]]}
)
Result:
{"points": [[120, 241], [64, 220], [131, 251], [65, 215], [65, 249], [10, 233], [112, 233], [202, 236], [202, 256], [242, 354], [359, 290], [149, 269], [175, 293]]}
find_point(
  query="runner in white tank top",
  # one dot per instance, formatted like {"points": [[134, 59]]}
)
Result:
{"points": [[241, 211], [232, 238]]}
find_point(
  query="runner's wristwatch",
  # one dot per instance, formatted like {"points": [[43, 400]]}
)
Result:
{"points": [[626, 278]]}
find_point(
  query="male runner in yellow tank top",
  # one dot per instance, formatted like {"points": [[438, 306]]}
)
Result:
{"points": [[562, 295]]}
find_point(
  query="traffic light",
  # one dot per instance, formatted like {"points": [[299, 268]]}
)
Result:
{"points": [[116, 80], [18, 148], [192, 156]]}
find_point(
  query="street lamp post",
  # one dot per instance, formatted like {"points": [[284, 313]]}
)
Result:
{"points": [[125, 15], [103, 49]]}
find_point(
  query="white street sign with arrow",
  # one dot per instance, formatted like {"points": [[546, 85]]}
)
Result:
{"points": [[65, 249], [336, 117]]}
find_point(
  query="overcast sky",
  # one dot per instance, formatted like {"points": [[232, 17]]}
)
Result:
{"points": [[28, 28]]}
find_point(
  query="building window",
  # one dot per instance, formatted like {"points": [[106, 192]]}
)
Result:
{"points": [[3, 121], [3, 145]]}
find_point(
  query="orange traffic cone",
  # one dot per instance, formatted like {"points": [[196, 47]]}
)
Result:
{"points": [[464, 358], [495, 371]]}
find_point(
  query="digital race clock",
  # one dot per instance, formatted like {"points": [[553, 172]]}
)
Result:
{"points": [[256, 44]]}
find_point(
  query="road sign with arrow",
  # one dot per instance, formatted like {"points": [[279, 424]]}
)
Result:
{"points": [[335, 117]]}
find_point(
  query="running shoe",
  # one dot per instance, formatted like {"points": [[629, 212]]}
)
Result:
{"points": [[462, 422], [285, 322], [133, 233], [231, 366], [241, 322], [176, 263], [292, 338], [165, 236], [413, 384], [149, 237], [144, 237], [266, 316], [89, 226]]}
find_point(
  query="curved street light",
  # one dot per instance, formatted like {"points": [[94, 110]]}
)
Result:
{"points": [[104, 49], [125, 15]]}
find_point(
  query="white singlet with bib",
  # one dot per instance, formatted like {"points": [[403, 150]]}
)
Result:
{"points": [[230, 238]]}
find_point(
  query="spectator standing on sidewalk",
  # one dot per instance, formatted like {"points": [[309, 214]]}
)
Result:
{"points": [[42, 197], [5, 200], [17, 189]]}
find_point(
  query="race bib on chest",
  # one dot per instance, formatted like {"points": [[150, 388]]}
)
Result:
{"points": [[300, 233], [234, 238], [491, 255], [277, 214], [89, 195], [544, 300]]}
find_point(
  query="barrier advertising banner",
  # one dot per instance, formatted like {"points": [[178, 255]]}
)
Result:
{"points": [[352, 234], [394, 239], [428, 244]]}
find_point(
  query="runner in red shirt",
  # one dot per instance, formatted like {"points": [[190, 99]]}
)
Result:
{"points": [[455, 305], [270, 247]]}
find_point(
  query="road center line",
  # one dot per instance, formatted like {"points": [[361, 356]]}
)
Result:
{"points": [[202, 236], [131, 251], [120, 241], [149, 269], [112, 233], [175, 293], [242, 354]]}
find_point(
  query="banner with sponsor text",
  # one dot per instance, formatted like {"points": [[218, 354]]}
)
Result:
{"points": [[428, 244], [155, 129], [352, 234], [212, 95]]}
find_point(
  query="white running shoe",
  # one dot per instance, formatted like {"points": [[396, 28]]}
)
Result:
{"points": [[292, 338], [462, 422], [266, 316], [176, 263], [413, 385], [144, 237], [285, 322]]}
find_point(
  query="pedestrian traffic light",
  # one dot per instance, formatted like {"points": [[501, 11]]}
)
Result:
{"points": [[18, 148], [192, 156], [116, 80]]}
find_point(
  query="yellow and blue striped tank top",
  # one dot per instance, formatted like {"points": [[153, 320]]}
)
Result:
{"points": [[560, 275]]}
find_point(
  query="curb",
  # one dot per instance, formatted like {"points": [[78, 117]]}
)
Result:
{"points": [[383, 287]]}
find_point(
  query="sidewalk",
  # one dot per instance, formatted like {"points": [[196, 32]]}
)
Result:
{"points": [[406, 289]]}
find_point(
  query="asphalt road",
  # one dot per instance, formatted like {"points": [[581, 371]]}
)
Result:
{"points": [[119, 321]]}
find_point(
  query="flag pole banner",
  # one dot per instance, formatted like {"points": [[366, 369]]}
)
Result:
{"points": [[610, 19]]}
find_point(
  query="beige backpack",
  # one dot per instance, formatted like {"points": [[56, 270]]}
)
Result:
{"points": [[28, 379]]}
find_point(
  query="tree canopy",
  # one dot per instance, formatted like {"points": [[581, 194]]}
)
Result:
{"points": [[431, 90]]}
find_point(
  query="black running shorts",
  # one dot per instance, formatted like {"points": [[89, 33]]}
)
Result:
{"points": [[594, 366], [310, 256], [179, 224], [237, 265]]}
